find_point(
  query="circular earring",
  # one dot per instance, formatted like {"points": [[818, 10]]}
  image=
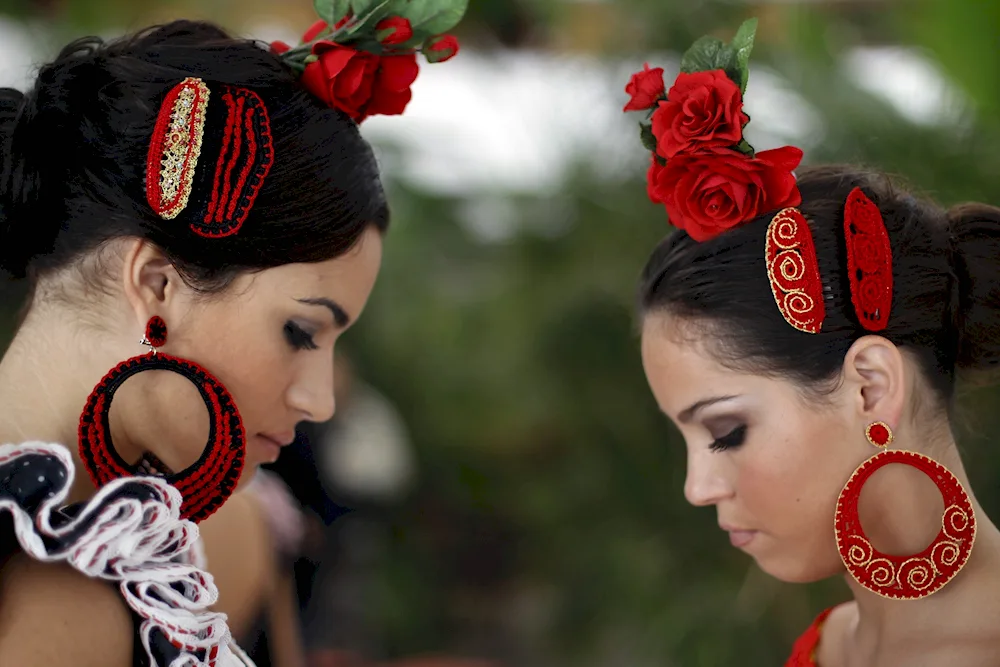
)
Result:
{"points": [[207, 483], [921, 574]]}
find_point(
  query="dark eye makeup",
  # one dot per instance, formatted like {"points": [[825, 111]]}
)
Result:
{"points": [[299, 338], [731, 440]]}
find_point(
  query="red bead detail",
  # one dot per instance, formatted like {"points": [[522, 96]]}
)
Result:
{"points": [[879, 434], [156, 331], [793, 271], [205, 485], [244, 161], [869, 261], [906, 577]]}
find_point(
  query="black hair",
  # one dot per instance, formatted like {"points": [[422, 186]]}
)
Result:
{"points": [[946, 285], [73, 155]]}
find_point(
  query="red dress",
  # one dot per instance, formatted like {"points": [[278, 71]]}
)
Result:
{"points": [[804, 649]]}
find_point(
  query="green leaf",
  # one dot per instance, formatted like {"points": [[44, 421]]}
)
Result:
{"points": [[332, 11], [647, 136], [364, 23], [742, 44], [745, 148], [706, 54], [435, 16]]}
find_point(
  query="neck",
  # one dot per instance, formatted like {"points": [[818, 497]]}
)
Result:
{"points": [[49, 369]]}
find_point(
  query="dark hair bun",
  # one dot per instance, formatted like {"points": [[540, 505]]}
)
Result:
{"points": [[975, 230]]}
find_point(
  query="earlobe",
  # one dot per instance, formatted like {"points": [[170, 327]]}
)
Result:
{"points": [[875, 367], [148, 278]]}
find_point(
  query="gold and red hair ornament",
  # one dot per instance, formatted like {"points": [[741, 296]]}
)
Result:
{"points": [[233, 127], [710, 180], [361, 56]]}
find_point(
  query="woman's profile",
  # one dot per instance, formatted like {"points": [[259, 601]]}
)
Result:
{"points": [[804, 330], [199, 220]]}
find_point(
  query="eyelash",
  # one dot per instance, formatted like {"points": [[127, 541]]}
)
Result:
{"points": [[298, 338], [731, 440]]}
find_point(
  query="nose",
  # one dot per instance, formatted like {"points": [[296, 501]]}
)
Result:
{"points": [[707, 480], [311, 394]]}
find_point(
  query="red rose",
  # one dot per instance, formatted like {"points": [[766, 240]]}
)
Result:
{"points": [[360, 83], [441, 48], [392, 86], [653, 179], [645, 88], [707, 193], [342, 77], [278, 47], [398, 30], [703, 110]]}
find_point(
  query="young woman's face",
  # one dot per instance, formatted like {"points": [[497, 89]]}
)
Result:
{"points": [[771, 463], [270, 341]]}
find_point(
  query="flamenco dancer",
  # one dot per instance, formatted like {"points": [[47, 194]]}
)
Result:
{"points": [[804, 332], [212, 198]]}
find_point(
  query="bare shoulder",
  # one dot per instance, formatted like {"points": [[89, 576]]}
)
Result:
{"points": [[50, 614], [831, 651]]}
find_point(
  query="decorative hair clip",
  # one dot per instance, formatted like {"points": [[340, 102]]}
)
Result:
{"points": [[239, 133], [869, 261], [793, 271], [175, 147], [703, 170], [361, 56]]}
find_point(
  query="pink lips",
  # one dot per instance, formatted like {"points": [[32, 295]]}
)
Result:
{"points": [[273, 444], [741, 538]]}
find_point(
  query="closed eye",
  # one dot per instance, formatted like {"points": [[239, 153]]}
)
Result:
{"points": [[730, 440], [298, 337]]}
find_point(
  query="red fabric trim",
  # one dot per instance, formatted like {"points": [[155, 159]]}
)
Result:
{"points": [[869, 261], [914, 576], [793, 271], [804, 649]]}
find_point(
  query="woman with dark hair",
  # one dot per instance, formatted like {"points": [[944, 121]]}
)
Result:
{"points": [[212, 200], [804, 333]]}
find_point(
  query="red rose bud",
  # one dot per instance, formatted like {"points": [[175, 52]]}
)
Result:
{"points": [[703, 110], [645, 88], [314, 30], [278, 47], [441, 48], [394, 30]]}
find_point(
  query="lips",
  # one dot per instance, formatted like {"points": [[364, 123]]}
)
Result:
{"points": [[280, 439], [739, 537]]}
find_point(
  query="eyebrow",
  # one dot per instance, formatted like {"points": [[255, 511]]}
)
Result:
{"points": [[340, 315], [689, 412]]}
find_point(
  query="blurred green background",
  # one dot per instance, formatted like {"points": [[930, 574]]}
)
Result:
{"points": [[548, 525]]}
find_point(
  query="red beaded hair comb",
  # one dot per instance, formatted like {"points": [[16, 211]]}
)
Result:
{"points": [[239, 138]]}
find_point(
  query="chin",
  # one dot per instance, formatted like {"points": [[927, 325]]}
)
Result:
{"points": [[799, 570], [249, 470]]}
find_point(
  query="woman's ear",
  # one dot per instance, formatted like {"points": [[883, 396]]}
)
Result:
{"points": [[150, 281], [874, 371]]}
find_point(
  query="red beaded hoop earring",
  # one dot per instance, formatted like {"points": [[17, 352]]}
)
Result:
{"points": [[207, 483], [918, 575]]}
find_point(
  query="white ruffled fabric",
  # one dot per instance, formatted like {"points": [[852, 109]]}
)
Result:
{"points": [[130, 533]]}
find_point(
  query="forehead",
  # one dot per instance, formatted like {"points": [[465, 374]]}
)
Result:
{"points": [[676, 355], [347, 279]]}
